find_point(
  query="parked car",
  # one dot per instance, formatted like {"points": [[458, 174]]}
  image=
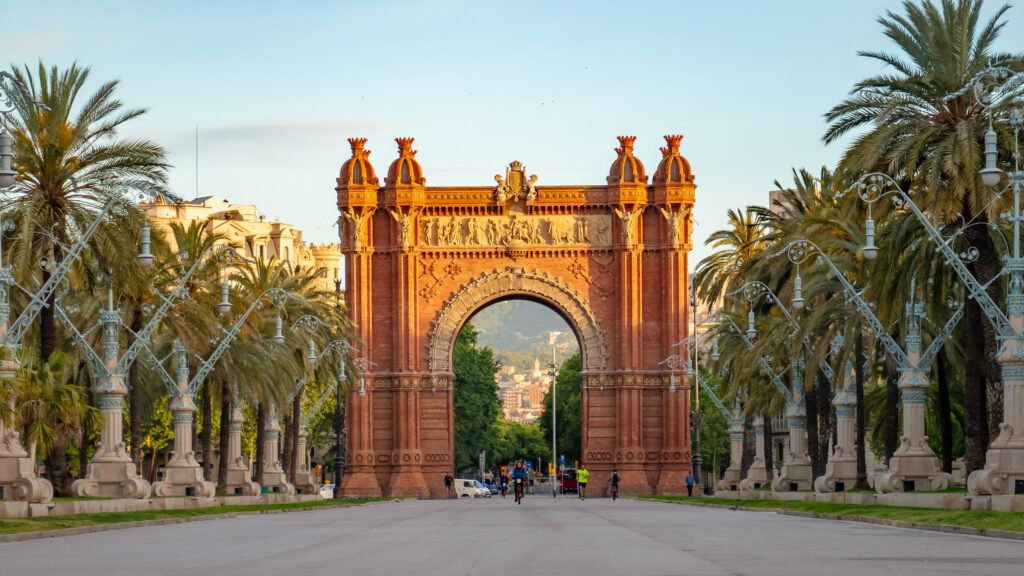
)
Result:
{"points": [[469, 488], [492, 488], [484, 488], [327, 491]]}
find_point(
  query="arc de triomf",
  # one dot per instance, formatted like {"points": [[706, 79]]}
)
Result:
{"points": [[420, 261]]}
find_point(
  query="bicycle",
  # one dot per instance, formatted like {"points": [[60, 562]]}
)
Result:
{"points": [[519, 490]]}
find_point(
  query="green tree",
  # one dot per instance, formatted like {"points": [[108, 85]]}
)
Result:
{"points": [[515, 441], [477, 406], [570, 410]]}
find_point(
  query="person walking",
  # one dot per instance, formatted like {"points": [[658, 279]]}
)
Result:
{"points": [[448, 481], [690, 480], [613, 483], [582, 475]]}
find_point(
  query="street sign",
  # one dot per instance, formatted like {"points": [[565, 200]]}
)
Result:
{"points": [[483, 464], [529, 464], [562, 460]]}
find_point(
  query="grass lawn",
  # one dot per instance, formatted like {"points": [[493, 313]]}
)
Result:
{"points": [[981, 519], [17, 525]]}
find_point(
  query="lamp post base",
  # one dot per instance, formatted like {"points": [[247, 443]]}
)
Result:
{"points": [[795, 475], [184, 481], [111, 479]]}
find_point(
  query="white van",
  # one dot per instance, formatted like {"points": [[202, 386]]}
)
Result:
{"points": [[469, 488]]}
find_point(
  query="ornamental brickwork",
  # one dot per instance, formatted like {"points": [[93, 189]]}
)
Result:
{"points": [[420, 261]]}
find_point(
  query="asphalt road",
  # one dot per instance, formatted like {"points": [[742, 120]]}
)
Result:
{"points": [[543, 536]]}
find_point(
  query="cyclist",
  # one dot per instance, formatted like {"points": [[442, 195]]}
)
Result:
{"points": [[582, 475], [504, 485], [613, 482], [519, 476]]}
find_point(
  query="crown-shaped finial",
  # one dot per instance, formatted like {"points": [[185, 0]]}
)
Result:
{"points": [[673, 141], [626, 142], [357, 144], [404, 144]]}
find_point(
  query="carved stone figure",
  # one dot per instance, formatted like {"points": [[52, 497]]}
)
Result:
{"points": [[675, 221], [582, 229], [501, 190], [493, 233], [629, 219], [425, 231], [476, 232], [531, 191], [405, 224], [358, 227]]}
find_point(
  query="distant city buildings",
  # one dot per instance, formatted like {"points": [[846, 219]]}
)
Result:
{"points": [[522, 393], [251, 233]]}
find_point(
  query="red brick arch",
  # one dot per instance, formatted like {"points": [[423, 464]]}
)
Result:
{"points": [[419, 261]]}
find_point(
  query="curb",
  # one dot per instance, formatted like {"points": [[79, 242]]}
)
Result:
{"points": [[43, 534], [944, 528]]}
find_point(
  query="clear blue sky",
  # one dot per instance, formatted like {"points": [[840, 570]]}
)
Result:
{"points": [[277, 87]]}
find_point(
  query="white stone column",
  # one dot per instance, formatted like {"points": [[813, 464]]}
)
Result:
{"points": [[731, 478], [183, 476], [18, 481], [757, 475], [796, 471], [841, 469], [238, 479], [305, 480], [111, 472], [274, 476], [1003, 473], [913, 466]]}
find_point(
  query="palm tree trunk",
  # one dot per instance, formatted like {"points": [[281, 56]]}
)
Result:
{"points": [[749, 440], [226, 397], [811, 406], [207, 431], [984, 269], [892, 406], [769, 448], [286, 445], [945, 415], [261, 422], [975, 425], [293, 440], [57, 464], [86, 442], [135, 396], [858, 371], [826, 418]]}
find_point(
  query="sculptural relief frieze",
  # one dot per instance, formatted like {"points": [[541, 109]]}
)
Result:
{"points": [[516, 230]]}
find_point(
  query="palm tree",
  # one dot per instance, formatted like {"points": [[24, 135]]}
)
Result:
{"points": [[50, 409], [737, 244], [934, 144], [70, 162]]}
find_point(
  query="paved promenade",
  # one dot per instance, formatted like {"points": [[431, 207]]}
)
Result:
{"points": [[543, 536]]}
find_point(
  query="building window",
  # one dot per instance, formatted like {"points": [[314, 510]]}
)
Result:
{"points": [[287, 254], [627, 175], [261, 252], [405, 173], [357, 174]]}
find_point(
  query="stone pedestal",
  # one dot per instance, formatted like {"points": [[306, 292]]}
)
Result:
{"points": [[183, 476], [238, 478], [796, 471], [18, 481], [757, 475], [913, 466], [841, 469], [1003, 473], [274, 477], [111, 472], [731, 477], [305, 480]]}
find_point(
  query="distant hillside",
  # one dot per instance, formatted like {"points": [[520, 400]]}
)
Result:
{"points": [[519, 331]]}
